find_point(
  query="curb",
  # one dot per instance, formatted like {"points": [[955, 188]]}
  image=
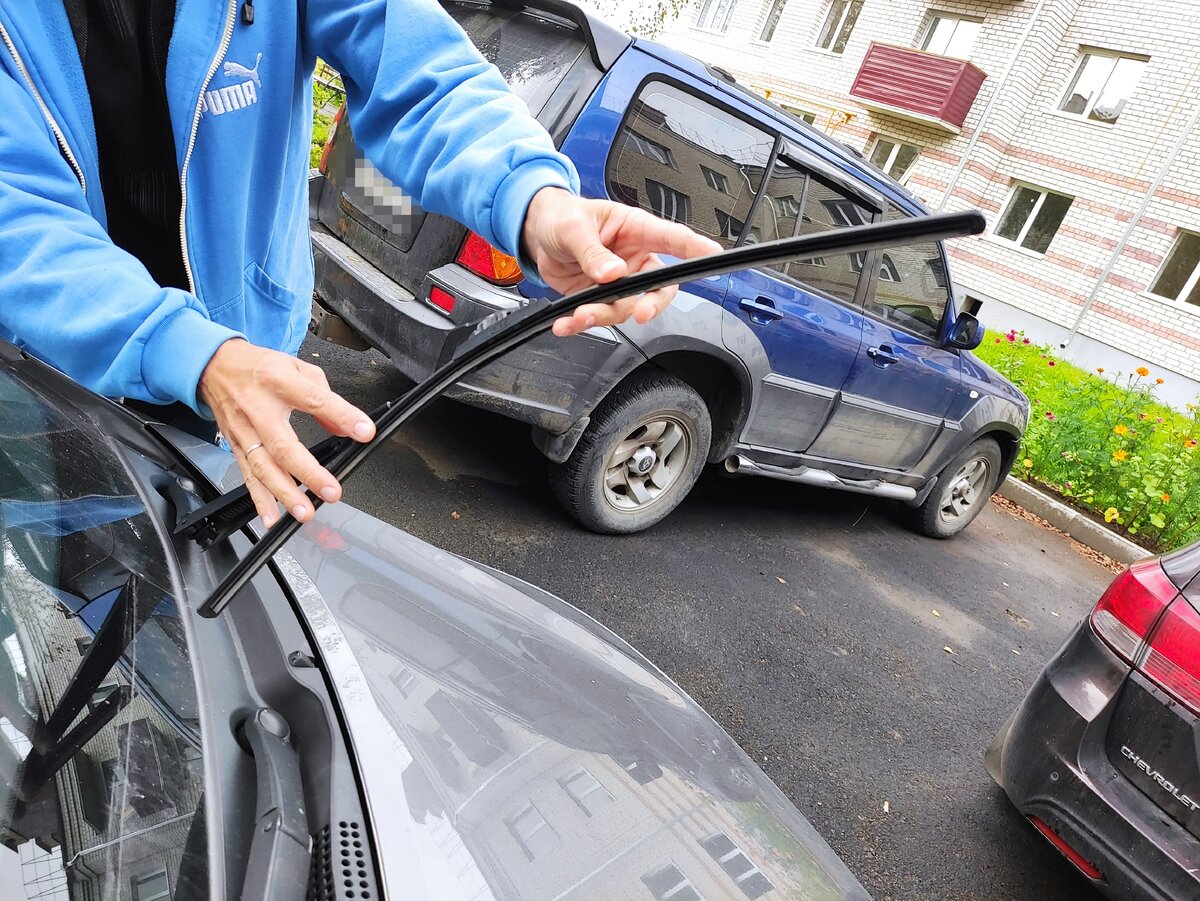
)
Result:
{"points": [[1081, 528]]}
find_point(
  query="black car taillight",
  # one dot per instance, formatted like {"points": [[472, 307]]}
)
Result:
{"points": [[486, 261], [1140, 618]]}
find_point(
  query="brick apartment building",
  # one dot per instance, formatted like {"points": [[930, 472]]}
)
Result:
{"points": [[1070, 123]]}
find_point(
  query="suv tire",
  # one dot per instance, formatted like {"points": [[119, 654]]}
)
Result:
{"points": [[962, 491], [644, 448]]}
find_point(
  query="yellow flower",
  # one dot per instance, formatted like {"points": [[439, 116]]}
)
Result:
{"points": [[1028, 464], [1142, 371], [1120, 455], [1166, 498], [1111, 513], [1121, 429]]}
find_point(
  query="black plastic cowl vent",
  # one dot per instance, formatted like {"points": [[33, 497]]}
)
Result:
{"points": [[341, 865]]}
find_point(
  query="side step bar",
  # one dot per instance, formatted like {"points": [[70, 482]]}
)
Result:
{"points": [[806, 475]]}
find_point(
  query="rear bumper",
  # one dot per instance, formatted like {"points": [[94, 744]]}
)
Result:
{"points": [[1051, 761], [551, 383]]}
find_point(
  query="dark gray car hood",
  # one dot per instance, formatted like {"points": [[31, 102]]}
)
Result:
{"points": [[512, 747]]}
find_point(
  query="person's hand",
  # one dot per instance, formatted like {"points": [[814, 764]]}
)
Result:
{"points": [[576, 243], [252, 393]]}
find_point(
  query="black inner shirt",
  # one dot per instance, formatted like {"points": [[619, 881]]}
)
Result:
{"points": [[123, 47]]}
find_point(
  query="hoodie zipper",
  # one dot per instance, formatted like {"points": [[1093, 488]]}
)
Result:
{"points": [[226, 39], [58, 132]]}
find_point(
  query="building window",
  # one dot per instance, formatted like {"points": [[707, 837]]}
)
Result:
{"points": [[839, 23], [894, 158], [403, 679], [694, 135], [668, 884], [1102, 84], [728, 227], [737, 865], [589, 794], [151, 888], [1179, 278], [650, 149], [1032, 217], [668, 203], [951, 36], [716, 180], [532, 832], [773, 14], [715, 15], [802, 114]]}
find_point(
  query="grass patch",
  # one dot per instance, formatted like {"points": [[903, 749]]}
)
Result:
{"points": [[1103, 440]]}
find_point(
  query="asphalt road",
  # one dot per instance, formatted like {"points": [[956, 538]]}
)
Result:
{"points": [[803, 620]]}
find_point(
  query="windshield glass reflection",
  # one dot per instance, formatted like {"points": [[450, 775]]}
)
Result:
{"points": [[99, 740]]}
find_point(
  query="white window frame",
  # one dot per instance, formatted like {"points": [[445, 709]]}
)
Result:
{"points": [[715, 180], [772, 5], [1188, 286], [939, 15], [709, 12], [1018, 241], [142, 879], [891, 158], [833, 35], [523, 839], [679, 202], [650, 149], [580, 798], [1086, 53], [684, 883]]}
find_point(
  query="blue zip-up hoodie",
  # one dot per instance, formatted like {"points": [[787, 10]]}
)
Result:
{"points": [[427, 109]]}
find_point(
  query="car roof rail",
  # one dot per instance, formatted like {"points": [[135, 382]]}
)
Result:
{"points": [[605, 43]]}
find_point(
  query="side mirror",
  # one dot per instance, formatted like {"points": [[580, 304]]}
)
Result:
{"points": [[966, 333]]}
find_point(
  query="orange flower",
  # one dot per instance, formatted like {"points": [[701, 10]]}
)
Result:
{"points": [[1190, 443], [1121, 429], [1158, 381], [1120, 455], [1142, 371], [1100, 369], [1166, 498]]}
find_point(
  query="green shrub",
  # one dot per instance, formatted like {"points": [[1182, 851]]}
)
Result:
{"points": [[327, 97], [1102, 440]]}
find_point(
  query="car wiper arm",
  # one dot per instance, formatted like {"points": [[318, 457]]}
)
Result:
{"points": [[489, 340], [281, 850]]}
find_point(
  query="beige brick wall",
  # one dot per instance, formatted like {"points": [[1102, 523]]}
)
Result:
{"points": [[1108, 168]]}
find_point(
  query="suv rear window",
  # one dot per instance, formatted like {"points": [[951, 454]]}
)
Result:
{"points": [[689, 161], [532, 53]]}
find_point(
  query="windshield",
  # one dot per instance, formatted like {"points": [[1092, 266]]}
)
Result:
{"points": [[99, 737]]}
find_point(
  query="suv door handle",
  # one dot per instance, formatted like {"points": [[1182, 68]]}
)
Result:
{"points": [[761, 309], [883, 356]]}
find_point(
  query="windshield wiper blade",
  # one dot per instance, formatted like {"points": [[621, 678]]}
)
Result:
{"points": [[487, 340]]}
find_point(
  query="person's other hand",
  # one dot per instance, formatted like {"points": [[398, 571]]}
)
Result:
{"points": [[576, 243], [252, 393]]}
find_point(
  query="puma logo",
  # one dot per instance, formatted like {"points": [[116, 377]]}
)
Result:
{"points": [[237, 70]]}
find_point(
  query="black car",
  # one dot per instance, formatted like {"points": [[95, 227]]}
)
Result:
{"points": [[1103, 755]]}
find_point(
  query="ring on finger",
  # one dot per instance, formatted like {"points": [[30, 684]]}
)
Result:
{"points": [[253, 447]]}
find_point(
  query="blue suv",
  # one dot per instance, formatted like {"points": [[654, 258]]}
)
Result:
{"points": [[847, 371]]}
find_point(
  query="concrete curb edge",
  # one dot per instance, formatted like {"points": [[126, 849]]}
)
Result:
{"points": [[1081, 528]]}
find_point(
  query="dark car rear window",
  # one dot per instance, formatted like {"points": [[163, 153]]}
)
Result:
{"points": [[531, 53], [102, 798]]}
